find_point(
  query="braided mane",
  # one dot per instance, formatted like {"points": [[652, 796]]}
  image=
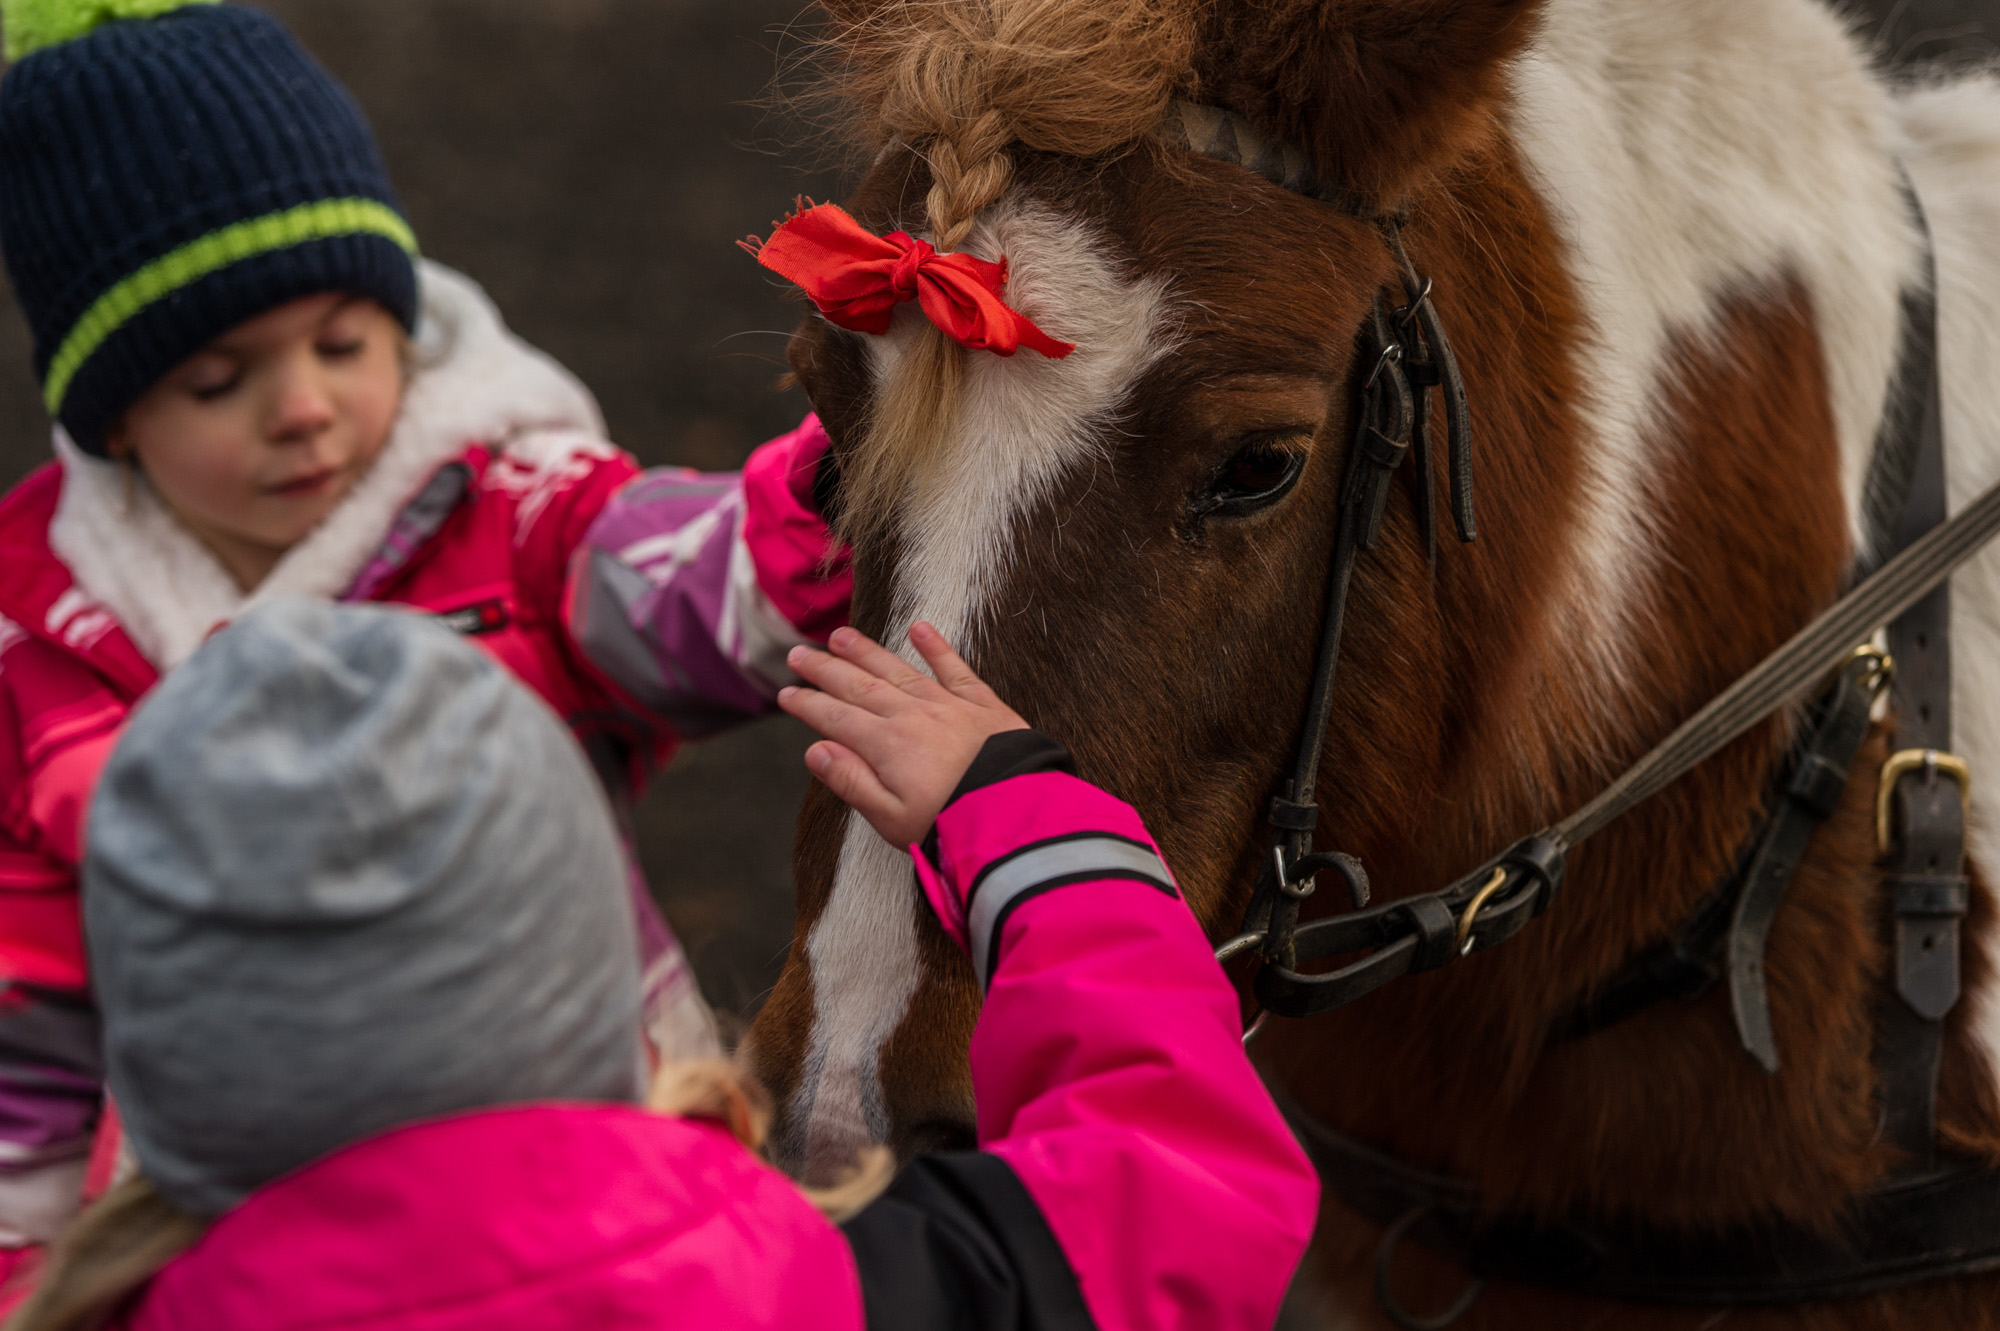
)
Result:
{"points": [[960, 83]]}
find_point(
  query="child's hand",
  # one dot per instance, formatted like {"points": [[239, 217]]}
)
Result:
{"points": [[897, 741]]}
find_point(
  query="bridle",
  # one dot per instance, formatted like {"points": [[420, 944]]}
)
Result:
{"points": [[1924, 1222], [1406, 355], [1409, 354]]}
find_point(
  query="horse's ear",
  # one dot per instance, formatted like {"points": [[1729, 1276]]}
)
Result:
{"points": [[1382, 94]]}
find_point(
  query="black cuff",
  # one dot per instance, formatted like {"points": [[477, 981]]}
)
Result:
{"points": [[957, 1243], [1010, 753]]}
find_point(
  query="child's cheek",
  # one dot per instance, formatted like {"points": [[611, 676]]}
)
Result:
{"points": [[381, 402], [206, 460], [226, 465], [368, 396]]}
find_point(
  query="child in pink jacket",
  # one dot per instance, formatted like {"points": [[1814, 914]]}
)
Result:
{"points": [[262, 392], [357, 919]]}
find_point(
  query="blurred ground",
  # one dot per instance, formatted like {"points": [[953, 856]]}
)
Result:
{"points": [[590, 161]]}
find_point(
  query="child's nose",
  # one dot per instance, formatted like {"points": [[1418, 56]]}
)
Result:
{"points": [[303, 406]]}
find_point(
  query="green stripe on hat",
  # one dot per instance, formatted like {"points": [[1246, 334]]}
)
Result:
{"points": [[33, 25], [209, 254]]}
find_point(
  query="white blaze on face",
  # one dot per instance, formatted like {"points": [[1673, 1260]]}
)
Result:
{"points": [[1026, 425]]}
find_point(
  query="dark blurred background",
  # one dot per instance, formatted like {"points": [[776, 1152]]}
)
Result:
{"points": [[590, 162]]}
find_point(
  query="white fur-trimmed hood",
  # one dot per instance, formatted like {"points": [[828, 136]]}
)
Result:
{"points": [[473, 382]]}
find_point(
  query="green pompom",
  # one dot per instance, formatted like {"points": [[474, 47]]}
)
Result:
{"points": [[34, 24]]}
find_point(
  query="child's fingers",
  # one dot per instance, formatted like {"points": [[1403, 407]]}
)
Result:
{"points": [[877, 660], [949, 667], [846, 774], [828, 715], [845, 680]]}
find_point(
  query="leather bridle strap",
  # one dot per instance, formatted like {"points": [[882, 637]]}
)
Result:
{"points": [[1924, 837], [1382, 439], [1491, 904], [1796, 667], [1812, 793], [1724, 936], [1406, 355]]}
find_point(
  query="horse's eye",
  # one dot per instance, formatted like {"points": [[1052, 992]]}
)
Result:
{"points": [[1260, 473], [1260, 470]]}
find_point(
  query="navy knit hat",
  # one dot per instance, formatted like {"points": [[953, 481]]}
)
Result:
{"points": [[168, 170]]}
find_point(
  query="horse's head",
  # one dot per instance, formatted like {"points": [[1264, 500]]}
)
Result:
{"points": [[1673, 395], [1132, 543]]}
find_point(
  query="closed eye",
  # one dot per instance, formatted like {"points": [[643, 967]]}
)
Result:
{"points": [[341, 349], [214, 389]]}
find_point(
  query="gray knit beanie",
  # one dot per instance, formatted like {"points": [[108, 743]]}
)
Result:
{"points": [[344, 873]]}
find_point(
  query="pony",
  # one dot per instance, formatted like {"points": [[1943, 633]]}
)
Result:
{"points": [[1670, 239]]}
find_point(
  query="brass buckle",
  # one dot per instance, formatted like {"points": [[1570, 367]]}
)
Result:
{"points": [[1906, 761], [1882, 666], [1477, 904]]}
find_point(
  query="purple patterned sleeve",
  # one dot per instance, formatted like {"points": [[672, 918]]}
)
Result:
{"points": [[664, 599], [51, 1093]]}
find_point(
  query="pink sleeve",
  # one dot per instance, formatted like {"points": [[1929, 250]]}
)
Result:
{"points": [[689, 589], [57, 726], [1108, 1063], [800, 565], [53, 745]]}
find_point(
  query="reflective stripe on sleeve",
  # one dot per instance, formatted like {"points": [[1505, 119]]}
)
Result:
{"points": [[1035, 869]]}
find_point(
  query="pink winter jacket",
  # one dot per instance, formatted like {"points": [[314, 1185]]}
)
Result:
{"points": [[1134, 1174], [644, 607]]}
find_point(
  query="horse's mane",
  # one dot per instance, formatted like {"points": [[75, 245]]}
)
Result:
{"points": [[961, 83]]}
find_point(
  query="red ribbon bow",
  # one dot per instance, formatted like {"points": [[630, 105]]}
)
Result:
{"points": [[858, 278]]}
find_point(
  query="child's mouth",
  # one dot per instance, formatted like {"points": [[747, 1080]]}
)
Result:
{"points": [[311, 483]]}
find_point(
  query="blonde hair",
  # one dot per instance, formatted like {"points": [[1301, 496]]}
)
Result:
{"points": [[105, 1258], [117, 1245], [961, 82], [718, 1089]]}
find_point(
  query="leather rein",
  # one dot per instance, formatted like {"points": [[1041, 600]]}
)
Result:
{"points": [[1925, 1222]]}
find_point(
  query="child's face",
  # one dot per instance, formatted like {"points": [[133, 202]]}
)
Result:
{"points": [[255, 438]]}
